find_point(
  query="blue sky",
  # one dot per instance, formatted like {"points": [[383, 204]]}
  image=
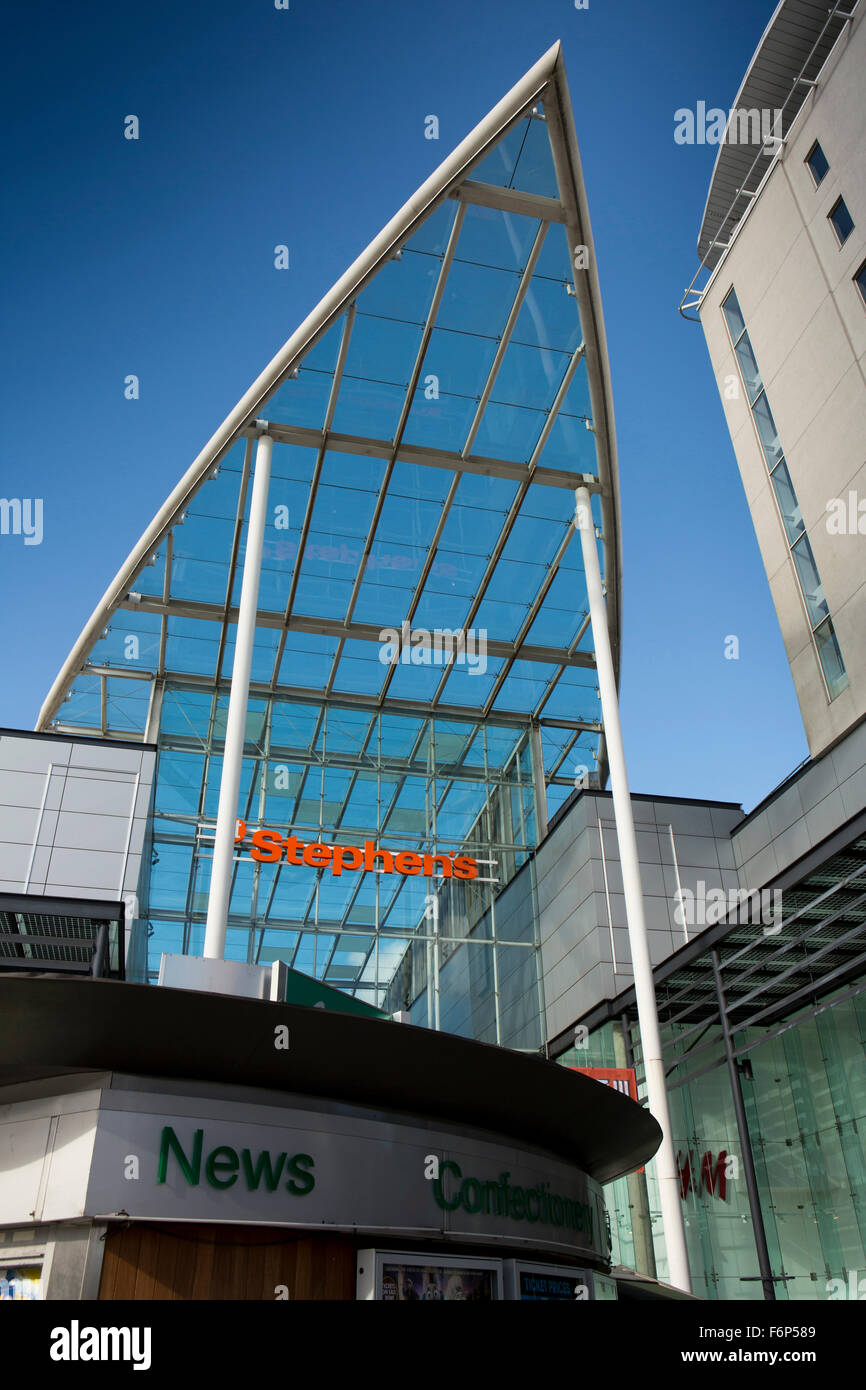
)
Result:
{"points": [[306, 127]]}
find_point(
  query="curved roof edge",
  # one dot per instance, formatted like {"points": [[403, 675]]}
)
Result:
{"points": [[797, 41], [545, 79], [63, 1025]]}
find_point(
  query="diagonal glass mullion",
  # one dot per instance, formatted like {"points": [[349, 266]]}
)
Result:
{"points": [[576, 359], [522, 289], [441, 282], [565, 752], [166, 598], [337, 821], [440, 805], [552, 571], [233, 562], [314, 484], [402, 782], [195, 857], [507, 331], [536, 713], [303, 782], [258, 760], [514, 511], [425, 571]]}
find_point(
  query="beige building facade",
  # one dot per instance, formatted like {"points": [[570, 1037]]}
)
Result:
{"points": [[784, 317]]}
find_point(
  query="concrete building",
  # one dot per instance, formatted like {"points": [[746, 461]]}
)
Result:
{"points": [[783, 311]]}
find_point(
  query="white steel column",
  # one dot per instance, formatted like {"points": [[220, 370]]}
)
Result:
{"points": [[644, 988], [230, 782]]}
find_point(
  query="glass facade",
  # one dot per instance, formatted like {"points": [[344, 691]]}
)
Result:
{"points": [[823, 633], [796, 1006], [423, 679], [342, 777], [805, 1097]]}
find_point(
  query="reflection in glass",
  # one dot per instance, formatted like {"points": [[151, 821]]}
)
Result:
{"points": [[787, 499], [810, 580]]}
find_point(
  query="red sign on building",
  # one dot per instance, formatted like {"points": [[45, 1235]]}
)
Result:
{"points": [[620, 1078]]}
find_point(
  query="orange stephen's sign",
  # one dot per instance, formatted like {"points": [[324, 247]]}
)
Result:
{"points": [[269, 846]]}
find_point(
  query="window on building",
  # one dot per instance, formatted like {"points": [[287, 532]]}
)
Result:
{"points": [[817, 162], [19, 1282], [811, 588], [843, 222], [860, 281], [831, 658], [734, 316], [788, 504]]}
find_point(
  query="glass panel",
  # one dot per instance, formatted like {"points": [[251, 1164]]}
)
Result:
{"points": [[810, 580], [575, 696], [548, 317], [264, 653], [151, 579], [431, 238], [831, 658], [494, 238], [407, 523], [402, 289], [767, 431], [524, 686], [382, 349], [529, 377], [132, 642], [439, 419], [301, 400], [360, 668], [508, 432], [498, 166], [200, 561], [469, 685], [343, 510], [554, 261], [455, 371], [571, 446], [577, 400], [748, 367], [322, 356], [127, 704], [788, 504], [817, 162], [558, 619], [733, 316], [535, 172], [843, 222], [477, 299], [192, 645]]}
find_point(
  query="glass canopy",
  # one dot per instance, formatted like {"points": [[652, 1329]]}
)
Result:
{"points": [[431, 420]]}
